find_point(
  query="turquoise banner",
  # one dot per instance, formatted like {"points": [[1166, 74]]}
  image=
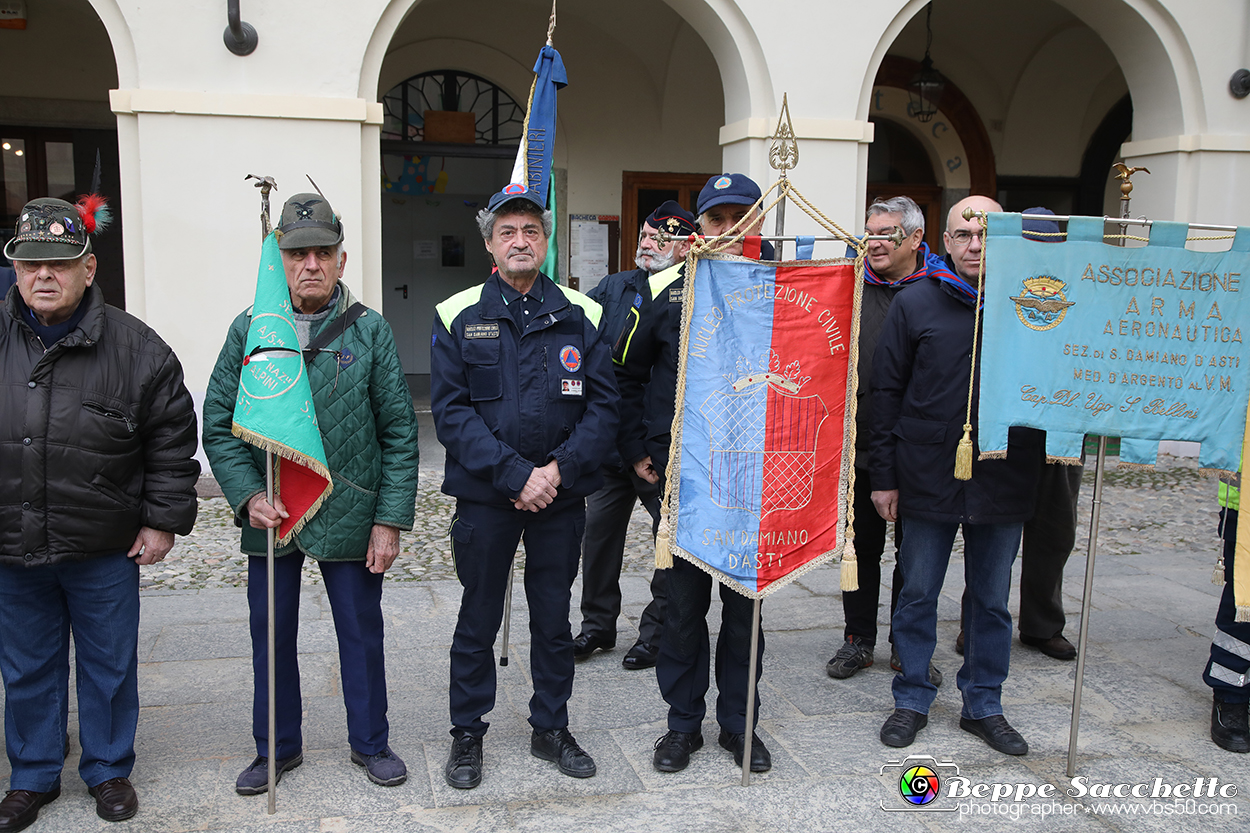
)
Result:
{"points": [[1144, 343]]}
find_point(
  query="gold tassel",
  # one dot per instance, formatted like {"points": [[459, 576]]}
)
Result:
{"points": [[849, 579], [663, 555], [1217, 575], [963, 455]]}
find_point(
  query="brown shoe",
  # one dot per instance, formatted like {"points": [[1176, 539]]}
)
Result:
{"points": [[115, 799], [20, 808], [1057, 647]]}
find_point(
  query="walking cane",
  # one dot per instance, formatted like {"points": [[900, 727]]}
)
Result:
{"points": [[266, 184], [507, 615]]}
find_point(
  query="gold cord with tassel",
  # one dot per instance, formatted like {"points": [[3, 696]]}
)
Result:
{"points": [[963, 453], [663, 554]]}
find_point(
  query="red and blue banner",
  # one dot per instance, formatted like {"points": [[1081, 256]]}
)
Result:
{"points": [[761, 420]]}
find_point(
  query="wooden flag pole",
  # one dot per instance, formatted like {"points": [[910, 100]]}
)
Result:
{"points": [[267, 184]]}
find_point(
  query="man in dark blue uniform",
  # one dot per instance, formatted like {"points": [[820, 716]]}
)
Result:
{"points": [[608, 510], [525, 404], [684, 660]]}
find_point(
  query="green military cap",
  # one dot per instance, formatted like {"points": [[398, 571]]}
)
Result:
{"points": [[50, 229], [308, 220]]}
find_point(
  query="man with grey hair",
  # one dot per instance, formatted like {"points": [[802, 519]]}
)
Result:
{"points": [[889, 269], [525, 404]]}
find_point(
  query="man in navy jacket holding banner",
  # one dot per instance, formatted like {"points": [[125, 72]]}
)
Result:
{"points": [[920, 398]]}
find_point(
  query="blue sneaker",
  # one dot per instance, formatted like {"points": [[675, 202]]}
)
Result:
{"points": [[384, 769], [255, 779]]}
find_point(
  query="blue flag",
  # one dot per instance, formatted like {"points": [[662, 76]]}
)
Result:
{"points": [[533, 159], [1142, 343]]}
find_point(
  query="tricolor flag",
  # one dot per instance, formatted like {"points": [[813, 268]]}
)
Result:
{"points": [[761, 420], [275, 410]]}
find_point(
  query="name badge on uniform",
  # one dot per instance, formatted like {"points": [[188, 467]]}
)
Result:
{"points": [[675, 294], [481, 330], [571, 387]]}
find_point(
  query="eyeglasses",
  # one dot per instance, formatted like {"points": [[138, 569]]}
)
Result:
{"points": [[963, 237]]}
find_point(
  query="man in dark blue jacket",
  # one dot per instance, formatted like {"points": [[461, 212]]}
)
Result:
{"points": [[525, 404], [684, 660], [920, 396], [608, 510]]}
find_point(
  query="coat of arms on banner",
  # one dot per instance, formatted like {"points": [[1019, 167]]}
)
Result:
{"points": [[748, 452], [757, 481]]}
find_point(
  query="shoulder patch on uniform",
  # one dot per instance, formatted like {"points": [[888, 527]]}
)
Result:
{"points": [[591, 307], [660, 280], [458, 303]]}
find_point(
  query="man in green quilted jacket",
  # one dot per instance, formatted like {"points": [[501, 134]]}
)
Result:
{"points": [[364, 411]]}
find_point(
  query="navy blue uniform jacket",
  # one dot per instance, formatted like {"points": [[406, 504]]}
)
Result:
{"points": [[920, 399], [622, 296], [506, 401]]}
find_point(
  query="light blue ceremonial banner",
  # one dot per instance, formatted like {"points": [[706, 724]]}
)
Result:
{"points": [[1142, 343], [533, 159]]}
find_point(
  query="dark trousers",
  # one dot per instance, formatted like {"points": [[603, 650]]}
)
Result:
{"points": [[1229, 667], [603, 551], [683, 663], [1047, 543], [98, 601], [860, 606], [484, 541], [356, 603]]}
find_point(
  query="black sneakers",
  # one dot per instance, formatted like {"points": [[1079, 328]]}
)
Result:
{"points": [[997, 732], [559, 747], [901, 727], [672, 752], [464, 764], [855, 653]]}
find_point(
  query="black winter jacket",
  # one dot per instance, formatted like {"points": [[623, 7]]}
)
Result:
{"points": [[920, 397], [96, 437]]}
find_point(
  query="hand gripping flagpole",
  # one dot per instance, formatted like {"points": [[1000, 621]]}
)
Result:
{"points": [[267, 184], [1126, 188]]}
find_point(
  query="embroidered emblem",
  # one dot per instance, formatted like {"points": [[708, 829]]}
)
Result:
{"points": [[571, 358], [674, 294], [571, 387], [346, 358], [304, 210], [637, 300], [481, 330], [514, 188], [722, 183], [1042, 305]]}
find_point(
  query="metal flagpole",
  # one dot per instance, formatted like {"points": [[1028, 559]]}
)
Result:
{"points": [[266, 184], [1126, 188], [783, 155], [507, 615]]}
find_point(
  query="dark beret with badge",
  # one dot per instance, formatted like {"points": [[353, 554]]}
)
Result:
{"points": [[670, 217], [308, 220], [52, 229]]}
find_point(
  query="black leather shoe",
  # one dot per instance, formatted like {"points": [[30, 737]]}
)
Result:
{"points": [[959, 643], [1057, 647], [20, 808], [1230, 727], [464, 764], [558, 746], [672, 752], [761, 759], [997, 732], [900, 728], [255, 779], [585, 644], [642, 655], [115, 799]]}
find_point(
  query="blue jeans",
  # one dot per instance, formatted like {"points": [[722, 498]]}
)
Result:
{"points": [[98, 601], [355, 596], [989, 550]]}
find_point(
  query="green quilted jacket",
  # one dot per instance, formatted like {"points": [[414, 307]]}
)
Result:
{"points": [[368, 426]]}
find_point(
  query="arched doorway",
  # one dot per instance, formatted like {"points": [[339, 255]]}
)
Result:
{"points": [[449, 139], [57, 133]]}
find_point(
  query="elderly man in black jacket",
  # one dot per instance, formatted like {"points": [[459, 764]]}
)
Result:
{"points": [[97, 433], [920, 395]]}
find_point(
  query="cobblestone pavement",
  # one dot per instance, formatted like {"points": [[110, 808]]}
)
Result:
{"points": [[1170, 507]]}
